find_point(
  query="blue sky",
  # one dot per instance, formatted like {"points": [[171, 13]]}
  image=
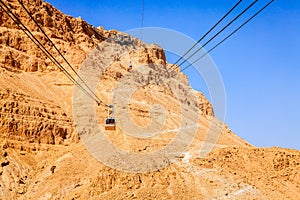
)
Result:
{"points": [[260, 65]]}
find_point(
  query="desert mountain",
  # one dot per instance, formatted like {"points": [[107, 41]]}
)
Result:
{"points": [[44, 156]]}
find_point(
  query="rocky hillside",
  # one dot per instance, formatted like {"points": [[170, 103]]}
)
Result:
{"points": [[32, 103], [43, 157], [19, 53]]}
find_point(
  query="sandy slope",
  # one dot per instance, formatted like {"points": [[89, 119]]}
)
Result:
{"points": [[55, 172]]}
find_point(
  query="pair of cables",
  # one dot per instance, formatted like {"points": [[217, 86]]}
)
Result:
{"points": [[82, 84], [193, 51]]}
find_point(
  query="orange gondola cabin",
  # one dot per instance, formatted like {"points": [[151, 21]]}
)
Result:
{"points": [[110, 121]]}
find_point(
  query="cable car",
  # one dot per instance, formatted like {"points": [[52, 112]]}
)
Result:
{"points": [[129, 67], [110, 121]]}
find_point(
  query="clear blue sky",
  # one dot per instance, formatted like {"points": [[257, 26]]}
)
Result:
{"points": [[260, 65]]}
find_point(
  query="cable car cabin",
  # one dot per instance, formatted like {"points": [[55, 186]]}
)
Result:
{"points": [[110, 124], [110, 121], [129, 68]]}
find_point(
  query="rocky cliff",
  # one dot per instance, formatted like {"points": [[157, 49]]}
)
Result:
{"points": [[42, 156], [30, 111]]}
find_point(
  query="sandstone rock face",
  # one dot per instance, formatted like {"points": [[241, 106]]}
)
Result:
{"points": [[27, 119], [204, 105], [42, 156], [20, 53], [150, 54]]}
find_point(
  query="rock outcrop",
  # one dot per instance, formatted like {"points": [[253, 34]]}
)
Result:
{"points": [[20, 53], [27, 119]]}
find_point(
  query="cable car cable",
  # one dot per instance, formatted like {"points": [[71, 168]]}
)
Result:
{"points": [[219, 32], [142, 20], [40, 46], [220, 20], [30, 15], [237, 29]]}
